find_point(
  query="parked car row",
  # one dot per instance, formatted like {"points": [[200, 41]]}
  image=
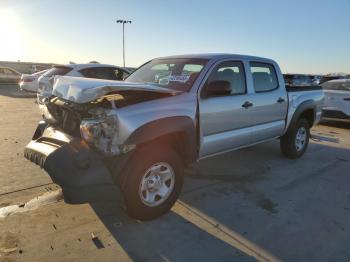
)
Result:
{"points": [[40, 81], [90, 70], [336, 87], [308, 80]]}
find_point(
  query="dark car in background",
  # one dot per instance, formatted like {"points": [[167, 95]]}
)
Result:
{"points": [[298, 80]]}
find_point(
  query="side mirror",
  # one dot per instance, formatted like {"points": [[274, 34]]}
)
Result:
{"points": [[218, 88]]}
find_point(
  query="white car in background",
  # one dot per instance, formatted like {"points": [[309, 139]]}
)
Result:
{"points": [[90, 70], [337, 100], [30, 83]]}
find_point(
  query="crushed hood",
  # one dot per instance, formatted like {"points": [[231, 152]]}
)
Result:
{"points": [[83, 90]]}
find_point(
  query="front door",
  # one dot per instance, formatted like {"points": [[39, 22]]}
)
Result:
{"points": [[225, 119]]}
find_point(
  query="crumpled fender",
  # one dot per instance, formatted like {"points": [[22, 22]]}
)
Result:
{"points": [[167, 126]]}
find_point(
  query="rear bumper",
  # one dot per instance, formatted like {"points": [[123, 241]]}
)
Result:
{"points": [[68, 160]]}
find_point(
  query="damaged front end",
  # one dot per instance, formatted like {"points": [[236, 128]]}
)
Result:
{"points": [[96, 123], [77, 144], [80, 137]]}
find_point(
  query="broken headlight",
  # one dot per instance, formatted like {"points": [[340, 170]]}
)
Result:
{"points": [[101, 133]]}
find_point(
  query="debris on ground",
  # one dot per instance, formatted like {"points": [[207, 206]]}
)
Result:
{"points": [[98, 243], [44, 199]]}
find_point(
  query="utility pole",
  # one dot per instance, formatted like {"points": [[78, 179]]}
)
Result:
{"points": [[123, 22]]}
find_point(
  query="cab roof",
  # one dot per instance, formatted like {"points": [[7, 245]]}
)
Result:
{"points": [[86, 65], [216, 56]]}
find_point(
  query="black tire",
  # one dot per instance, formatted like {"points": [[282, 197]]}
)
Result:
{"points": [[140, 162], [288, 141]]}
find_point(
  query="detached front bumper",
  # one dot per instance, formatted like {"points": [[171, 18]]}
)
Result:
{"points": [[68, 160]]}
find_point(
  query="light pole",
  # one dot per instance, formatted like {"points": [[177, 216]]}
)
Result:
{"points": [[123, 22]]}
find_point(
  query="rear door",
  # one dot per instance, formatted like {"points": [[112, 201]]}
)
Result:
{"points": [[225, 123], [269, 102]]}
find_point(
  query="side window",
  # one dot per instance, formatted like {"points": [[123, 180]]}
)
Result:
{"points": [[108, 73], [232, 72], [264, 77], [120, 74], [87, 72]]}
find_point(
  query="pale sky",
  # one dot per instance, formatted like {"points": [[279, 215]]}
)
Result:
{"points": [[303, 36]]}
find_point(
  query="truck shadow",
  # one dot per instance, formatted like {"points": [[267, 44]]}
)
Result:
{"points": [[337, 124], [232, 207]]}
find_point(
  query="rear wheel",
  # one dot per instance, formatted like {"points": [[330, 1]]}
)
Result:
{"points": [[295, 141], [152, 182]]}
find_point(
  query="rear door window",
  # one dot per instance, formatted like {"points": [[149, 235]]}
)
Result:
{"points": [[58, 71], [108, 73], [264, 77]]}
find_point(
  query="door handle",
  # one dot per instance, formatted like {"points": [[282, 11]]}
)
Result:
{"points": [[247, 104], [280, 100]]}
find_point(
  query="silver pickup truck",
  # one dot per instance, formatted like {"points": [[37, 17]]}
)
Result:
{"points": [[168, 114]]}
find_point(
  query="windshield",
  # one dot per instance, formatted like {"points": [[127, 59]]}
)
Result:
{"points": [[177, 73]]}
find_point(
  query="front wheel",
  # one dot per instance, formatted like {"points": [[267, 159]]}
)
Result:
{"points": [[153, 180], [295, 141]]}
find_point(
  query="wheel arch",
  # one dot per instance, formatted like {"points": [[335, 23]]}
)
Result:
{"points": [[179, 132], [307, 110]]}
